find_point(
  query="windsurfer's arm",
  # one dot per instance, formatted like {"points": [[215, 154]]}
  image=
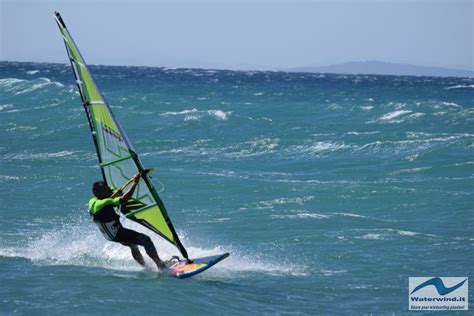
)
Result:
{"points": [[127, 195]]}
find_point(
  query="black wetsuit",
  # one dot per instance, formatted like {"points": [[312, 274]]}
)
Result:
{"points": [[104, 215]]}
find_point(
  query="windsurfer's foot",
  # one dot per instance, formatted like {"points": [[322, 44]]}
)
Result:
{"points": [[159, 264]]}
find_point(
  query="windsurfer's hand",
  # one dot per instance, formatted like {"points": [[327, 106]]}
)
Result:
{"points": [[136, 178]]}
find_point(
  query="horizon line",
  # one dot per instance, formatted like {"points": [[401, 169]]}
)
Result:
{"points": [[286, 70]]}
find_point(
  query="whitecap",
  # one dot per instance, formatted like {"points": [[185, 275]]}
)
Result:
{"points": [[39, 156], [451, 104], [9, 82], [372, 237], [317, 148], [363, 133], [461, 86], [220, 115], [193, 110], [8, 178], [301, 216], [5, 106], [411, 170], [191, 118], [351, 215], [283, 201], [41, 82], [394, 114], [332, 272]]}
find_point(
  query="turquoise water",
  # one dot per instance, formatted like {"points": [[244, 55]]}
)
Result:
{"points": [[328, 190]]}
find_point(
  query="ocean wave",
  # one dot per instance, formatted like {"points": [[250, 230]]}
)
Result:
{"points": [[8, 82], [390, 234], [326, 272], [39, 156], [195, 114], [20, 86], [5, 106], [255, 147], [281, 201], [302, 215], [8, 178], [316, 148], [226, 174], [221, 115], [411, 145], [193, 110], [351, 215], [461, 86], [22, 128], [394, 114], [411, 170], [451, 104], [362, 133]]}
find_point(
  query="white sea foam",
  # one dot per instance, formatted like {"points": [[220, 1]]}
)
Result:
{"points": [[332, 272], [351, 215], [363, 133], [461, 86], [254, 147], [8, 82], [5, 106], [22, 128], [221, 115], [451, 104], [282, 201], [8, 178], [81, 244], [39, 156], [191, 118], [32, 72], [195, 114], [317, 148], [303, 215], [372, 236], [411, 170], [394, 114], [193, 110], [390, 233]]}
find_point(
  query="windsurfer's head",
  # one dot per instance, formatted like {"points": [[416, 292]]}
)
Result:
{"points": [[101, 190]]}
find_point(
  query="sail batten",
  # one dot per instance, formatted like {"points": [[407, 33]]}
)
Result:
{"points": [[118, 160]]}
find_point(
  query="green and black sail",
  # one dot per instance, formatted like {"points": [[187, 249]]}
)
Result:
{"points": [[117, 158]]}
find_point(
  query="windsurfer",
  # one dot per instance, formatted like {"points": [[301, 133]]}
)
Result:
{"points": [[102, 209]]}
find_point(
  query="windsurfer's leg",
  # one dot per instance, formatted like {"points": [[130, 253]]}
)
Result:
{"points": [[130, 237], [136, 254], [150, 249]]}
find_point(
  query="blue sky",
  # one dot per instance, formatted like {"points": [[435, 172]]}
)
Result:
{"points": [[258, 34]]}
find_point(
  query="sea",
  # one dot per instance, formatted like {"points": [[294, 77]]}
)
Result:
{"points": [[329, 191]]}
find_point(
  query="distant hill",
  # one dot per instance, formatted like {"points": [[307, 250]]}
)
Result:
{"points": [[384, 68]]}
